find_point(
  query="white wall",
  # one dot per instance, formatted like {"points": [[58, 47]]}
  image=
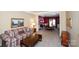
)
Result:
{"points": [[5, 19], [36, 22], [62, 15], [74, 32]]}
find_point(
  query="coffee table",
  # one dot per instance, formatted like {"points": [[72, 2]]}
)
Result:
{"points": [[31, 41]]}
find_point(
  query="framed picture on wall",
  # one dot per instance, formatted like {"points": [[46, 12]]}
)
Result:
{"points": [[69, 22], [17, 22]]}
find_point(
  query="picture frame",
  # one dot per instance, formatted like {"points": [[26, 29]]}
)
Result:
{"points": [[69, 22], [17, 22]]}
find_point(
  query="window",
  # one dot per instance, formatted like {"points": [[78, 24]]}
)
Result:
{"points": [[52, 22]]}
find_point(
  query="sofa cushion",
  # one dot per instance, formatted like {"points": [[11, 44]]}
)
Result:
{"points": [[15, 32], [25, 29], [8, 42], [21, 32], [11, 33], [4, 36], [6, 32], [28, 29]]}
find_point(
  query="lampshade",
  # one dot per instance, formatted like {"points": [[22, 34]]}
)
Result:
{"points": [[33, 23]]}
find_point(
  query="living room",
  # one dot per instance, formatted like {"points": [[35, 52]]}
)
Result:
{"points": [[30, 19], [39, 29], [10, 17]]}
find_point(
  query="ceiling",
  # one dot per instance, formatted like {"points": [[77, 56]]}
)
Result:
{"points": [[44, 13]]}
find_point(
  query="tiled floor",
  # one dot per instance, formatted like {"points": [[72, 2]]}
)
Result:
{"points": [[50, 39]]}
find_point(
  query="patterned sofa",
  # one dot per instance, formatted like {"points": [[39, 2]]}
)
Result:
{"points": [[13, 37]]}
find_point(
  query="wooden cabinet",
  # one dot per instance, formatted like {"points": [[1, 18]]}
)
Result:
{"points": [[65, 38]]}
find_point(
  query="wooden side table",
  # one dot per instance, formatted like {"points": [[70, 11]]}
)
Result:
{"points": [[65, 38]]}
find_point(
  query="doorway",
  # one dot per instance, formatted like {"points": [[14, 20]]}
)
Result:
{"points": [[49, 23], [49, 28]]}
